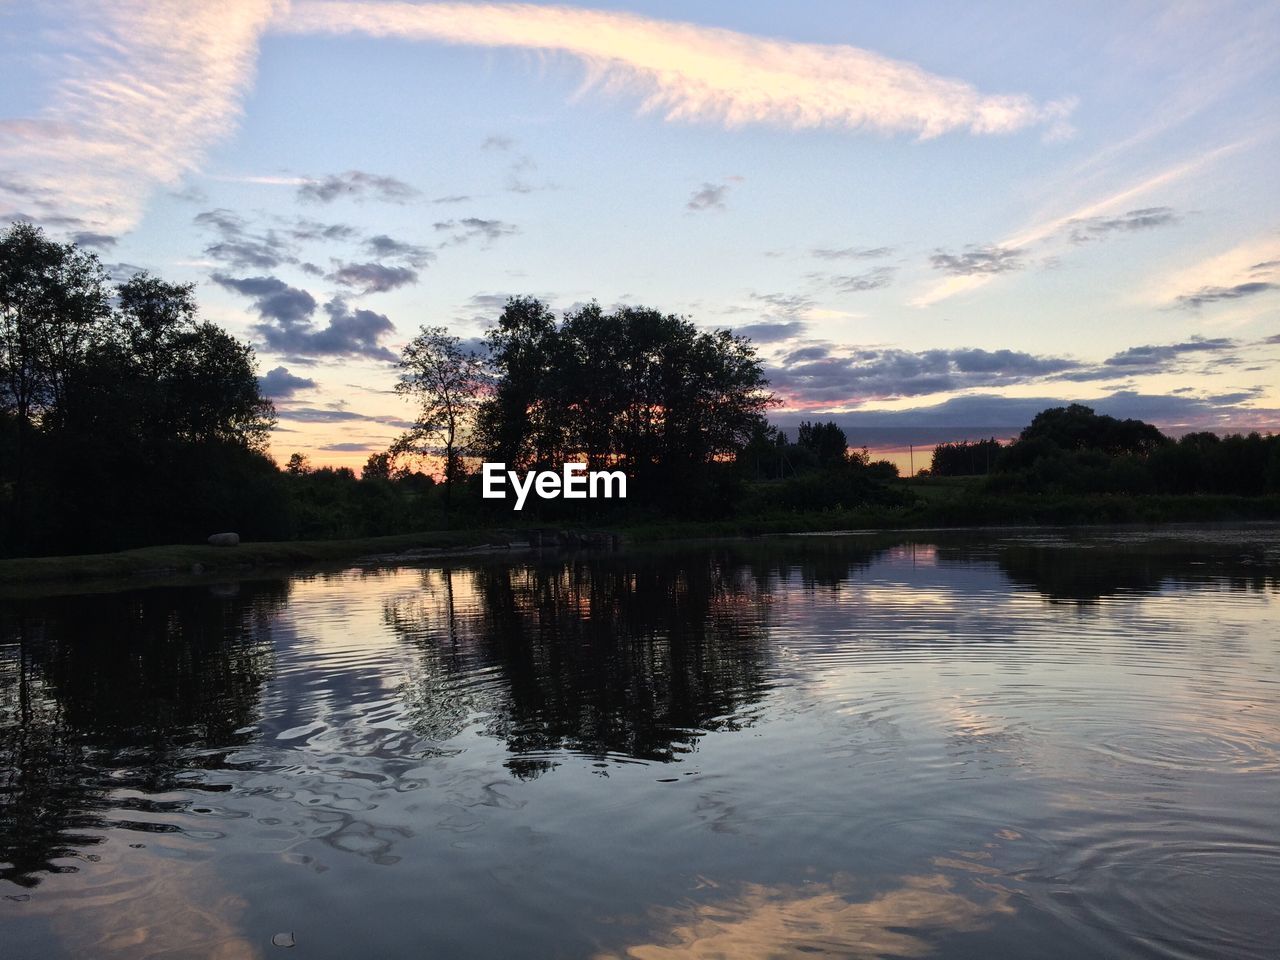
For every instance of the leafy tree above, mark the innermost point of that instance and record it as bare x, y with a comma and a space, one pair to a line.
826, 440
633, 388
444, 381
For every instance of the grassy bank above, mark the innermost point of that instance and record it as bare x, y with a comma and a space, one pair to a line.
939, 502
201, 560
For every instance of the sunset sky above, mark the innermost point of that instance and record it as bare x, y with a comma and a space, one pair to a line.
924, 214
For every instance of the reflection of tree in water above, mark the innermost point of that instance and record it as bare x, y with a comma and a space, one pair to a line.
1086, 572
112, 692
634, 656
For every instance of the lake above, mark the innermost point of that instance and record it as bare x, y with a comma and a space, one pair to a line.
944, 745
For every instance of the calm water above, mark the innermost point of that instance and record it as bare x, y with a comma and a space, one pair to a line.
1022, 746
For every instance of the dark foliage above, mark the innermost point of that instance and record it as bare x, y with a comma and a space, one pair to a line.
121, 425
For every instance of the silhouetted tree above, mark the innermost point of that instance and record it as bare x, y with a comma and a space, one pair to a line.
444, 381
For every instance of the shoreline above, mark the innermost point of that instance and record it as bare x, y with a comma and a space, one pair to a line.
194, 563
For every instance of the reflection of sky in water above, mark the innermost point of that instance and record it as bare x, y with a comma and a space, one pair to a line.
747, 750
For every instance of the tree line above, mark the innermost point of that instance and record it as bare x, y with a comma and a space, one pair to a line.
1075, 450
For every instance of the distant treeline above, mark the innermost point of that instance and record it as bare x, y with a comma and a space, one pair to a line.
1074, 450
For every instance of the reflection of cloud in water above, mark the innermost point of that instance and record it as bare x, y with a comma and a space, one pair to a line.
176, 908
765, 922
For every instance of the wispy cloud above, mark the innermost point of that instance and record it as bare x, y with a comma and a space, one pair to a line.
710, 196
694, 73
977, 261
851, 253
471, 228
147, 87
356, 185
1093, 228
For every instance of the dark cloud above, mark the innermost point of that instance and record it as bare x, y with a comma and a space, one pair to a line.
259, 254
859, 283
356, 185
349, 447
274, 299
372, 277
988, 414
818, 373
311, 269
322, 415
470, 228
387, 248
288, 329
88, 238
1274, 338
709, 196
280, 383
453, 198
771, 332
310, 230
851, 253
238, 248
1215, 294
1093, 228
1157, 356
978, 260
224, 221
497, 142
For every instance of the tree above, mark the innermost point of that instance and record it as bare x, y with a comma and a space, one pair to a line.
444, 381
53, 301
826, 440
298, 464
632, 388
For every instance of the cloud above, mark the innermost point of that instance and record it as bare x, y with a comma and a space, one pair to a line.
771, 332
497, 142
143, 89
280, 383
287, 326
1216, 294
373, 277
356, 185
1157, 356
88, 238
978, 261
313, 230
693, 73
821, 373
985, 414
469, 228
789, 305
349, 447
709, 196
858, 283
239, 248
386, 247
323, 415
274, 299
850, 253
1093, 228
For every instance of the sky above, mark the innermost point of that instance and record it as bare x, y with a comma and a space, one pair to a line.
926, 216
